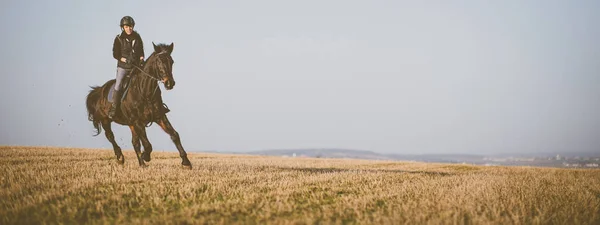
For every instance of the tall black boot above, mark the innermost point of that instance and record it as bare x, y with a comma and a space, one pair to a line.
116, 101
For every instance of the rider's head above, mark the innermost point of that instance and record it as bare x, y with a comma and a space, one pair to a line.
127, 24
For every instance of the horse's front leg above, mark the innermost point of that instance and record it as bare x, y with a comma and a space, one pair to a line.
135, 140
145, 142
168, 128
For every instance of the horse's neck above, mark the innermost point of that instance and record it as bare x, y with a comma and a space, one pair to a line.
144, 85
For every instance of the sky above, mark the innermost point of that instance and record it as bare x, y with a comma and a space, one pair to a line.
404, 77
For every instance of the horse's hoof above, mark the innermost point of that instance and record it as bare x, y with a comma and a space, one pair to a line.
146, 156
143, 166
186, 164
121, 160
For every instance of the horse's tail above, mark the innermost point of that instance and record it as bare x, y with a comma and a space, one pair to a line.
92, 99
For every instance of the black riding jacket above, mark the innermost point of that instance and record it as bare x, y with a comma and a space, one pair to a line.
130, 47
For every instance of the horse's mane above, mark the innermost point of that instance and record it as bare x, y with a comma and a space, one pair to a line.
163, 47
158, 49
145, 80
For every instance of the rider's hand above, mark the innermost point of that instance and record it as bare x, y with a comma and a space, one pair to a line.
123, 60
130, 60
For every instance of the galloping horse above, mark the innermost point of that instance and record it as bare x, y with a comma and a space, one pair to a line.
141, 105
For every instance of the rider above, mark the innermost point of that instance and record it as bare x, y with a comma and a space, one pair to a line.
128, 50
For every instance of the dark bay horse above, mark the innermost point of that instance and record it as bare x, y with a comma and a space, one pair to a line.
142, 105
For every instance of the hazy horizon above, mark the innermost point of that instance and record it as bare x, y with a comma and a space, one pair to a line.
397, 77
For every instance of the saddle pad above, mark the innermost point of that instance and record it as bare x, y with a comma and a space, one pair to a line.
111, 92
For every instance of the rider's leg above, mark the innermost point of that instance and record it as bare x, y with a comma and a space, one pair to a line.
117, 93
120, 75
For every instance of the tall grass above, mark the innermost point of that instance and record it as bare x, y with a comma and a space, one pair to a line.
61, 185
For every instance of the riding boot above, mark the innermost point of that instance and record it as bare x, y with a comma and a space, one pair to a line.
116, 101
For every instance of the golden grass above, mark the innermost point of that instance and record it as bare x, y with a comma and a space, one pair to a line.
62, 185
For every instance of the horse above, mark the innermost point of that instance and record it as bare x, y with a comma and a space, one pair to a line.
141, 106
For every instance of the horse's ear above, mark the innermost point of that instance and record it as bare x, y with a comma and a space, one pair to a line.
171, 48
156, 48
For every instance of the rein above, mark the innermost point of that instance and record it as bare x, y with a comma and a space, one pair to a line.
153, 93
150, 100
146, 74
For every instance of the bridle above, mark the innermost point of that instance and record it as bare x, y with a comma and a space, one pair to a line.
149, 75
157, 85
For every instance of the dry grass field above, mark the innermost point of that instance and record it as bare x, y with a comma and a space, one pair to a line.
62, 185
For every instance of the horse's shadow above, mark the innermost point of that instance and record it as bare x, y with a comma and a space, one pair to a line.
340, 170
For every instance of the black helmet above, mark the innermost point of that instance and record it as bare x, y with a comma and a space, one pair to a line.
127, 20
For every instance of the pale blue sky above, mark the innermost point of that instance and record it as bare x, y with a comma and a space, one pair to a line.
509, 76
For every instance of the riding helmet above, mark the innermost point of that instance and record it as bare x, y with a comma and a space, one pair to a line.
127, 20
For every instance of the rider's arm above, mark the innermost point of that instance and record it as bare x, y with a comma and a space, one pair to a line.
141, 49
117, 49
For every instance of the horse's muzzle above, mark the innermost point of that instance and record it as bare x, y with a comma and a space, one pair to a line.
169, 84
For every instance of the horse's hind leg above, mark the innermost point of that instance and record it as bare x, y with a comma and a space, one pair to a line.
111, 137
135, 140
167, 127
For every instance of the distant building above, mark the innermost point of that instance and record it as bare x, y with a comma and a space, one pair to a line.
558, 157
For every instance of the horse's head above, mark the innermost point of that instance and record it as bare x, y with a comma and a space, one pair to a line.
163, 64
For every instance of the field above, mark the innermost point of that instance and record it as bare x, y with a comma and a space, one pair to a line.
63, 185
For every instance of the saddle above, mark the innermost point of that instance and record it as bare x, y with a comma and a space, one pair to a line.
124, 85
